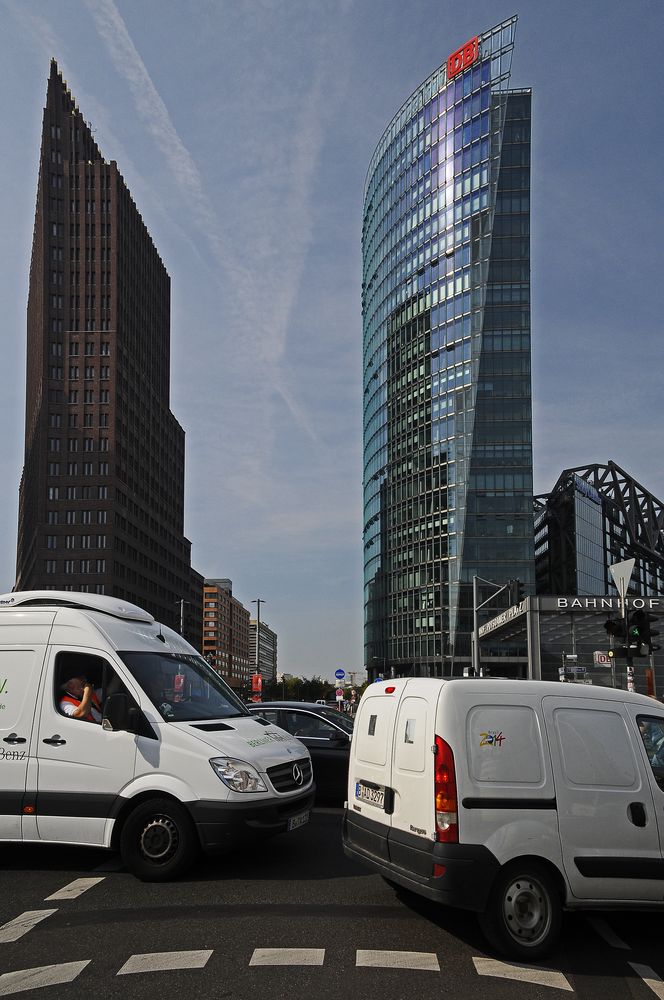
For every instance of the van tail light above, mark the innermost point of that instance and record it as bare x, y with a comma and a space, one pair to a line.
447, 828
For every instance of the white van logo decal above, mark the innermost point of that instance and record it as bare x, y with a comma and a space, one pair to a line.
492, 739
298, 776
269, 737
416, 829
12, 754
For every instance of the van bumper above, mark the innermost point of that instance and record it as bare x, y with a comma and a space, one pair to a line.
409, 860
222, 825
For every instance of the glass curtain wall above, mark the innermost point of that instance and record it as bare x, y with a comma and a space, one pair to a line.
446, 322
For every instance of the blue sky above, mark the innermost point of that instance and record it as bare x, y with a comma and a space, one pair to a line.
244, 129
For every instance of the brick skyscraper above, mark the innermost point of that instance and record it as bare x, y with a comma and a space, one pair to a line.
101, 506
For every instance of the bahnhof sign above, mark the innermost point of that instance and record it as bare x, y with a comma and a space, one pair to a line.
566, 639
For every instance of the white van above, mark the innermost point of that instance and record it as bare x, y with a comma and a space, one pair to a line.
176, 763
514, 799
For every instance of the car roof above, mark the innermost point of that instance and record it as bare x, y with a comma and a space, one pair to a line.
256, 705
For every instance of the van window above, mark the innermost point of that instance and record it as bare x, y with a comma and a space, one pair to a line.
505, 744
651, 729
595, 748
183, 687
409, 750
95, 669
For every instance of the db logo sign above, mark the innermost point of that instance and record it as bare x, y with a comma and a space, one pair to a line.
462, 58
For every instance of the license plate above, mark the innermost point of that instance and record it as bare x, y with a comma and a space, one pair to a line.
296, 821
375, 796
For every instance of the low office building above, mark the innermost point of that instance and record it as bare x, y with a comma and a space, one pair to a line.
226, 633
267, 649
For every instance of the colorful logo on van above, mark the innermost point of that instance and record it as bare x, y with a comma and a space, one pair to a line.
492, 739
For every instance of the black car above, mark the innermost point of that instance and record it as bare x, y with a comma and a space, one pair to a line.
325, 732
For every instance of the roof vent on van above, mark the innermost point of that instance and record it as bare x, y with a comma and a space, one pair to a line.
72, 599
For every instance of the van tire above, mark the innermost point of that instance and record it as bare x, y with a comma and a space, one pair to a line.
158, 841
523, 915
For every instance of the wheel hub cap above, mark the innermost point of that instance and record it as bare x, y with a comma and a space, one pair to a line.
526, 910
159, 839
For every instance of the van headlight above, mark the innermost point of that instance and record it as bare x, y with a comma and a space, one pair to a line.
237, 774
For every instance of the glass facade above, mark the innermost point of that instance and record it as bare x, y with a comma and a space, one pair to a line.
446, 328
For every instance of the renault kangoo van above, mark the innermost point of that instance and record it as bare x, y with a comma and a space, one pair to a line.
515, 799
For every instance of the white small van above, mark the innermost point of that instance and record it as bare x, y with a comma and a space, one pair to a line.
515, 799
172, 762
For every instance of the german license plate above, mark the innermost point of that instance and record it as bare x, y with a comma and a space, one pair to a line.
373, 794
296, 821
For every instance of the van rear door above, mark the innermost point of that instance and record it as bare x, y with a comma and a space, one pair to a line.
370, 790
606, 813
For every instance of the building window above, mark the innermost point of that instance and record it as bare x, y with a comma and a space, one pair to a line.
51, 541
51, 565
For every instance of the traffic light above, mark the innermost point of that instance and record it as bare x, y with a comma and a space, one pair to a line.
515, 592
641, 633
616, 629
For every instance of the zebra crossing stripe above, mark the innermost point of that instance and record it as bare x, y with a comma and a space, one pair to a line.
522, 973
19, 926
288, 956
650, 978
424, 960
45, 975
163, 961
75, 888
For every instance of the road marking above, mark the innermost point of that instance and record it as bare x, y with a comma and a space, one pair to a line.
288, 956
650, 978
75, 888
523, 973
426, 960
605, 931
163, 961
45, 975
19, 926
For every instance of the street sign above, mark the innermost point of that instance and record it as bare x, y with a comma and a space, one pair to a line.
377, 680
340, 694
621, 573
339, 674
601, 659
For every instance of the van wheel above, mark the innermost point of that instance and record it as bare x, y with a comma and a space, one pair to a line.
524, 913
158, 840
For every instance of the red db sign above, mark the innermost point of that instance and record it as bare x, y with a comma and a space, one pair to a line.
462, 58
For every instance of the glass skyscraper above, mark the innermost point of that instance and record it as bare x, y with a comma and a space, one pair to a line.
447, 392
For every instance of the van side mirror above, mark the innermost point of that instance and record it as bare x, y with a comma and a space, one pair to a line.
116, 713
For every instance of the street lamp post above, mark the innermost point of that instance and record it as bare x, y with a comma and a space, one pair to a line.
258, 601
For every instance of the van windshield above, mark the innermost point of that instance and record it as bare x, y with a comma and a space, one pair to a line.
182, 687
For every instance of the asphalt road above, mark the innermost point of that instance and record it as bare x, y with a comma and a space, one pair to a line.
296, 920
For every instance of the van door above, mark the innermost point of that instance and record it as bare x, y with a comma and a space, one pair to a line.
82, 768
413, 765
19, 682
606, 813
370, 777
650, 728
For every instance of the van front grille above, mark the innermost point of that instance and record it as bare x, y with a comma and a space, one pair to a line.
290, 777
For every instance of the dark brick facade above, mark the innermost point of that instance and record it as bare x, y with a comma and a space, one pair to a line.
101, 505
